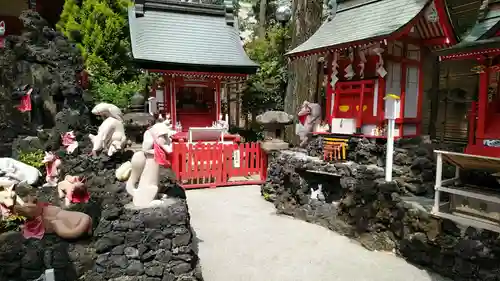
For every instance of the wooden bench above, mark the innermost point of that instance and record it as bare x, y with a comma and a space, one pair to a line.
334, 149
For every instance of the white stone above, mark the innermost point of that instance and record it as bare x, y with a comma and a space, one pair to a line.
50, 275
123, 172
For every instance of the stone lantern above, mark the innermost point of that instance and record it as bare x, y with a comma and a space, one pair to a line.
274, 123
137, 120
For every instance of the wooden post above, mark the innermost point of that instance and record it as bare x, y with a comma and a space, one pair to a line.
439, 178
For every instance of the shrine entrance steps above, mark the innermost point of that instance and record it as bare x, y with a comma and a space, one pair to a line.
240, 238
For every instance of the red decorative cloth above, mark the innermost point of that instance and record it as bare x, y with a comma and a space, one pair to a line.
79, 195
25, 104
160, 154
34, 228
302, 119
68, 139
49, 166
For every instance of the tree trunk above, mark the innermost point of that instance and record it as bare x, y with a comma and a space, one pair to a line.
262, 18
303, 72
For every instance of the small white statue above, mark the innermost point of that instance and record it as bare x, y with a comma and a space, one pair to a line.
69, 142
18, 172
146, 163
222, 123
111, 134
9, 198
318, 193
52, 163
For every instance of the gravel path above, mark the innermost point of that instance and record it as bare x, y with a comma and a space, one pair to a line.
240, 238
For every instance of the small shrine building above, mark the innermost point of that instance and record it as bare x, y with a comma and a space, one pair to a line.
196, 48
374, 48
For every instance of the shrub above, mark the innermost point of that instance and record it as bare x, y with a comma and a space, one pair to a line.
11, 223
33, 159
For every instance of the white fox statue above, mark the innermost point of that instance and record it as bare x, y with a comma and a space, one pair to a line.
111, 134
146, 169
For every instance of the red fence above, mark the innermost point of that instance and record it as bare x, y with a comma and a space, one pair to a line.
211, 165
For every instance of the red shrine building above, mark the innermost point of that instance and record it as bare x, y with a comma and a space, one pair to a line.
196, 49
481, 47
374, 48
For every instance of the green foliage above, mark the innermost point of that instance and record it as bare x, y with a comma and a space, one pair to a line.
251, 135
267, 196
100, 30
265, 90
12, 223
33, 159
120, 93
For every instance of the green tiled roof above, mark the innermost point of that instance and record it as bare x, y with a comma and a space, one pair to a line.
480, 30
187, 36
366, 20
479, 37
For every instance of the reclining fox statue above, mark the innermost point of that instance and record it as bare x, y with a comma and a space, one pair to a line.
145, 165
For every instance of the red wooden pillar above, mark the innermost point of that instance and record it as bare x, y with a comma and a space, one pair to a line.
420, 94
166, 95
335, 95
217, 97
404, 70
359, 121
482, 103
173, 98
329, 91
380, 99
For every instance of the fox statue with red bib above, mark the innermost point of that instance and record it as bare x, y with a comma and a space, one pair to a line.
145, 165
310, 117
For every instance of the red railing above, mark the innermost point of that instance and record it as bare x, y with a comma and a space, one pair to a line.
210, 165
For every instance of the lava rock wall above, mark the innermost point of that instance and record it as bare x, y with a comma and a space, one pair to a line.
413, 166
46, 60
360, 204
155, 244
